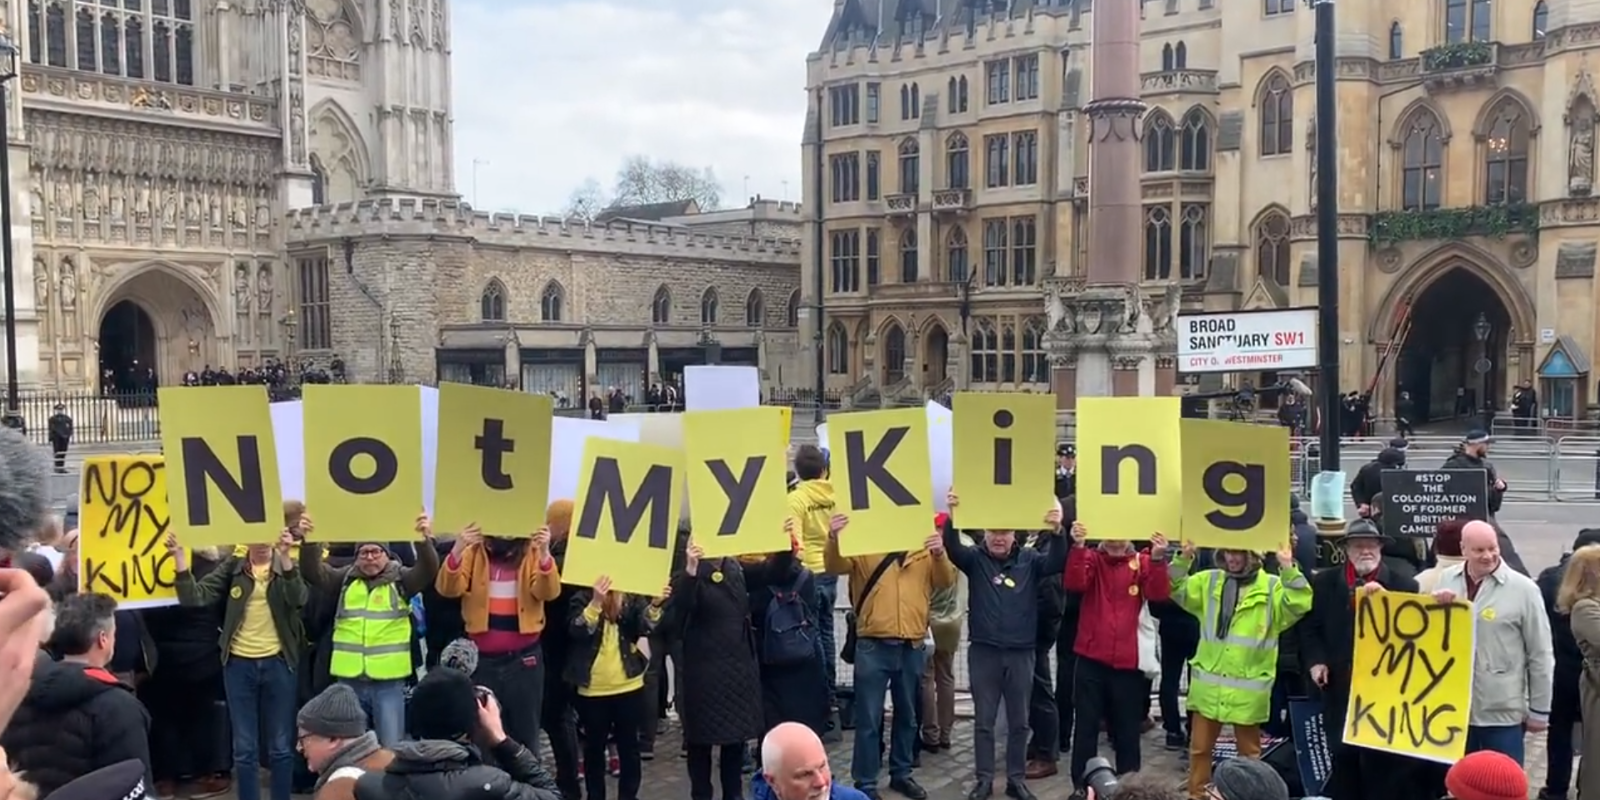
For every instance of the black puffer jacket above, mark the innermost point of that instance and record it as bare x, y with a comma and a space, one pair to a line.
74, 720
1368, 482
1461, 459
443, 770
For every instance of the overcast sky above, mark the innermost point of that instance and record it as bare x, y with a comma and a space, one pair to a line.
551, 92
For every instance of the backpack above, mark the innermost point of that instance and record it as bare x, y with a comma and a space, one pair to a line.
787, 637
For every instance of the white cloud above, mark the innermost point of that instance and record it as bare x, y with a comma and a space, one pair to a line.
551, 92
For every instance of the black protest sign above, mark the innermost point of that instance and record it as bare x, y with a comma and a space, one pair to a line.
1415, 502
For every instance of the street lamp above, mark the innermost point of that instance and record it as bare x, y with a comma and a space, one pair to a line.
1481, 329
1327, 234
12, 418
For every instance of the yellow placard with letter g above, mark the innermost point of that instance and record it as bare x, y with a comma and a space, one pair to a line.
1235, 484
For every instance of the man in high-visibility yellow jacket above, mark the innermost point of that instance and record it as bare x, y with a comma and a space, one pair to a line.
372, 623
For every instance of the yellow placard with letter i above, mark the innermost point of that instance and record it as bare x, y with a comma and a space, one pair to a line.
1004, 465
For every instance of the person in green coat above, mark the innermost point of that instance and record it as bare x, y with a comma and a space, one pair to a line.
1242, 610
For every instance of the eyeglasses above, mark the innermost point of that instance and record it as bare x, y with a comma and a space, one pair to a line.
370, 552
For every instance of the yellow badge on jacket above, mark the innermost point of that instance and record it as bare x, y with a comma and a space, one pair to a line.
1488, 615
236, 593
1133, 591
1133, 563
716, 577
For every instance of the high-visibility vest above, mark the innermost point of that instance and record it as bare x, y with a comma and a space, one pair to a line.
371, 634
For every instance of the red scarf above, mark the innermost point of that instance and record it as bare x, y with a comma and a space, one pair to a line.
1355, 581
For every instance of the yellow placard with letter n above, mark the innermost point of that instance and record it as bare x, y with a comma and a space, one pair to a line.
222, 464
737, 496
1004, 459
1130, 469
1411, 679
122, 531
882, 478
625, 518
1236, 484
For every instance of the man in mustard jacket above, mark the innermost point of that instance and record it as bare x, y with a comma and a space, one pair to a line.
1242, 610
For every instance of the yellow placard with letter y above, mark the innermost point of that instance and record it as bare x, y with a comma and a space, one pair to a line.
1411, 678
737, 497
882, 478
1130, 472
1235, 484
1004, 464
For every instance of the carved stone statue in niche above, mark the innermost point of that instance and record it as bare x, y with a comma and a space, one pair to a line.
118, 202
41, 284
241, 288
36, 194
263, 215
264, 291
69, 297
240, 215
1580, 149
141, 200
214, 204
63, 197
91, 197
191, 207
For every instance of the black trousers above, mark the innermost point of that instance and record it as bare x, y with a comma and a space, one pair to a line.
1121, 699
730, 771
1176, 650
517, 680
558, 718
655, 694
189, 732
1045, 745
615, 718
1066, 682
1566, 711
58, 448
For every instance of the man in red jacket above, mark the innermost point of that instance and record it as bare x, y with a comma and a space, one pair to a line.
1115, 581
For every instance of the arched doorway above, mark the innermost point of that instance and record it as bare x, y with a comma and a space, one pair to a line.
894, 355
936, 355
127, 348
1455, 354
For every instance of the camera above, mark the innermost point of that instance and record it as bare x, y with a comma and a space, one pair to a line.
1100, 777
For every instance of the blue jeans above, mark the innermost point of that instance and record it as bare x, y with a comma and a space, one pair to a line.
261, 698
827, 596
893, 667
1505, 739
385, 704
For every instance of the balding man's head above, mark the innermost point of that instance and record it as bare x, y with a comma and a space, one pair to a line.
1480, 546
795, 764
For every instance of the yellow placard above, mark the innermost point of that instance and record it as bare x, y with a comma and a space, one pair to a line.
494, 460
882, 479
625, 518
738, 499
1235, 484
123, 523
1411, 680
787, 413
364, 461
222, 464
1004, 464
1129, 466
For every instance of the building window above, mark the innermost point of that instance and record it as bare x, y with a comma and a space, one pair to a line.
1541, 20
874, 185
1035, 362
956, 94
793, 318
1272, 248
755, 310
908, 256
1024, 251
1008, 354
1174, 58
1397, 41
550, 302
874, 99
1467, 20
1277, 117
1194, 152
661, 306
844, 105
1276, 7
999, 87
315, 329
845, 260
1194, 242
844, 170
1025, 158
910, 101
985, 353
894, 355
708, 307
910, 166
319, 181
1027, 76
1422, 151
492, 305
1160, 145
838, 350
1506, 154
956, 255
1157, 243
957, 161
994, 252
874, 270
996, 160
113, 41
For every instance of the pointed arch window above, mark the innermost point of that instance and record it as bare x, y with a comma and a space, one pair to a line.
985, 353
1194, 241
958, 256
956, 94
1194, 150
1174, 57
1157, 243
1035, 363
1422, 154
910, 166
1541, 20
661, 306
708, 307
1272, 248
319, 181
551, 301
1467, 21
792, 319
894, 355
1160, 143
957, 161
1397, 41
110, 44
1008, 354
838, 350
1277, 116
755, 310
492, 305
1506, 154
908, 256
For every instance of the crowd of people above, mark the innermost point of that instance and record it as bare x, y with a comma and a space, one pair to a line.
303, 660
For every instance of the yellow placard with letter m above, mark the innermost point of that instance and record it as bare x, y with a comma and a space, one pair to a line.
1235, 484
1411, 680
625, 518
882, 478
1130, 472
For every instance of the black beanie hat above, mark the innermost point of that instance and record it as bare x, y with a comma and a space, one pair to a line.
444, 705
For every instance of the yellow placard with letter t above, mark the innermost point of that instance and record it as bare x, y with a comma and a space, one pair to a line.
494, 459
1004, 465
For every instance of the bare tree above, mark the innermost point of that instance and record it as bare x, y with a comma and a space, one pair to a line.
586, 202
641, 181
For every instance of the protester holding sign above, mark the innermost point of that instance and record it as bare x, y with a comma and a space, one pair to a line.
1242, 611
811, 506
1327, 644
783, 617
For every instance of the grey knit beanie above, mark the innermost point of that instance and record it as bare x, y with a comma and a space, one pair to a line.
335, 714
1248, 779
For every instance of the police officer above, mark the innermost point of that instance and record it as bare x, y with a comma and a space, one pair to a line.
1066, 470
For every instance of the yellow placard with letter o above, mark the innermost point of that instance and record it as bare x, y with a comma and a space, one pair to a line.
1411, 677
882, 478
222, 464
364, 461
494, 460
1235, 484
1004, 459
737, 496
1130, 468
625, 517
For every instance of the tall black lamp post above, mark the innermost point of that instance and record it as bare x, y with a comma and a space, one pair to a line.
12, 417
1481, 328
1327, 235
